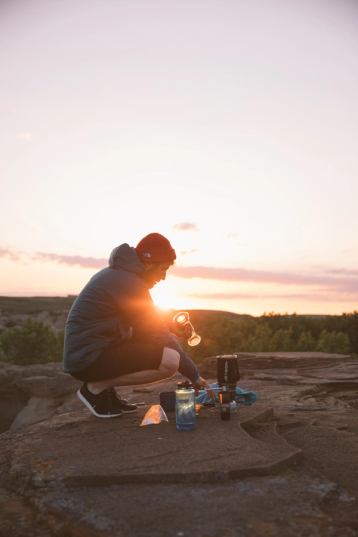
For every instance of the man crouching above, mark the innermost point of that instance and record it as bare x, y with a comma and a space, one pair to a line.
114, 335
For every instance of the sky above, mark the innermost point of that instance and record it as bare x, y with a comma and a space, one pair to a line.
229, 126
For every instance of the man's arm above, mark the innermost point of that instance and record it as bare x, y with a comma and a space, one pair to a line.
186, 365
148, 325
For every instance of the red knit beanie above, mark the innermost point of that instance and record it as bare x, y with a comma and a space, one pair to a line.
156, 249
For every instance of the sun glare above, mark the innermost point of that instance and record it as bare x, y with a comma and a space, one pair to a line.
166, 299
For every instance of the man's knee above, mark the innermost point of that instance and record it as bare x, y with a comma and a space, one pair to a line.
170, 362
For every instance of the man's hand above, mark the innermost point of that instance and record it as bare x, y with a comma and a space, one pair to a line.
184, 332
202, 384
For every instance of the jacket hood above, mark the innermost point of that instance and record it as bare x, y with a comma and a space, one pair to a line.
126, 258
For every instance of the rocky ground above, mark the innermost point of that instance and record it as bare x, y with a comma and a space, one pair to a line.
287, 466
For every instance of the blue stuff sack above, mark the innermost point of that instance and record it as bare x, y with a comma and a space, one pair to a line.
242, 397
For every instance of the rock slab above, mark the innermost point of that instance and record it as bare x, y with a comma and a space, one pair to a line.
285, 467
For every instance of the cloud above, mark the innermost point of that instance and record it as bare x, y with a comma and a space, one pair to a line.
25, 135
11, 254
233, 235
327, 296
327, 285
70, 260
342, 271
185, 226
323, 282
85, 262
188, 252
319, 287
256, 276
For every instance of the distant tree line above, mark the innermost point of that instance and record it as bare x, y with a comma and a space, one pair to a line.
221, 332
273, 332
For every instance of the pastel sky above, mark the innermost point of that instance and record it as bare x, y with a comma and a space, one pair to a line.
229, 126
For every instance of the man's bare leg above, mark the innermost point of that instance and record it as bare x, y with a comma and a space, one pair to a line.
168, 367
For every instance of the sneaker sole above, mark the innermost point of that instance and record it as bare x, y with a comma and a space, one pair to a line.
85, 402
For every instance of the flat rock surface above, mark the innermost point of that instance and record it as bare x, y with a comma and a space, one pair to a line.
82, 450
285, 466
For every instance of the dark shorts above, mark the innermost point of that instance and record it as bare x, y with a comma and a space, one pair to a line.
121, 359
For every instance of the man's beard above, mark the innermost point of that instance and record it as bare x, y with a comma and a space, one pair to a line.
151, 278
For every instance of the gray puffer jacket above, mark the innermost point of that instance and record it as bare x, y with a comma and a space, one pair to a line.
116, 305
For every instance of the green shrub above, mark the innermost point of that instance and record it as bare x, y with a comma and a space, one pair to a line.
33, 342
282, 341
333, 342
306, 342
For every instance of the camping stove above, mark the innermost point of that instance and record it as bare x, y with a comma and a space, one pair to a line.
227, 375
